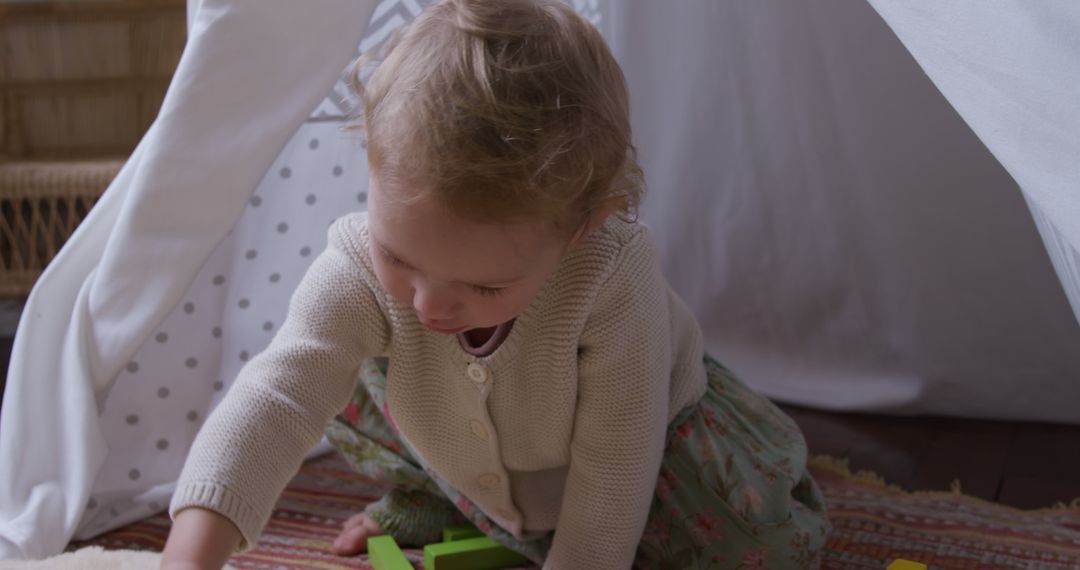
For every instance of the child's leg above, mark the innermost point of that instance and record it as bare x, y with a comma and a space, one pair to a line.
733, 488
415, 511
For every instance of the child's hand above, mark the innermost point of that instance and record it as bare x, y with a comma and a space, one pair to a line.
200, 539
354, 535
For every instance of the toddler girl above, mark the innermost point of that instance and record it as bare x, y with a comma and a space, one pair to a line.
500, 338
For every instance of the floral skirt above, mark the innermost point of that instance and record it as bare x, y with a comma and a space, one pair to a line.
733, 490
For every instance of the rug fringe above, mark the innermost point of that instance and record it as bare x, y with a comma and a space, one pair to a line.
839, 466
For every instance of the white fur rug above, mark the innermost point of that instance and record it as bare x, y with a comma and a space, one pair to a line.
93, 558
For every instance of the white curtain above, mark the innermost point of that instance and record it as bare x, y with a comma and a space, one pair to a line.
845, 239
121, 350
1012, 70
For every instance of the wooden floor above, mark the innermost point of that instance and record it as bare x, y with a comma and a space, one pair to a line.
1025, 465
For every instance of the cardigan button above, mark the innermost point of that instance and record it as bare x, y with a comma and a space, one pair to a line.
477, 373
478, 429
488, 480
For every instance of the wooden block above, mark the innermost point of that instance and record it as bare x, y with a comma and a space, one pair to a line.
901, 564
384, 554
479, 553
460, 532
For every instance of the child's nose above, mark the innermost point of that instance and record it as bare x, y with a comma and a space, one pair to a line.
433, 302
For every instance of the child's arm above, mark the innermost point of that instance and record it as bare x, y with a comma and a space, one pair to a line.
200, 539
624, 371
276, 410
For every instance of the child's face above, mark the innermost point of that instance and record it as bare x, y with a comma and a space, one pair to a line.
457, 274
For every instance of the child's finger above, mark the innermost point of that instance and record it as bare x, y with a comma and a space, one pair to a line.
351, 541
355, 520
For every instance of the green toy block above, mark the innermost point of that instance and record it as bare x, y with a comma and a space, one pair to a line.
384, 554
479, 553
460, 532
901, 564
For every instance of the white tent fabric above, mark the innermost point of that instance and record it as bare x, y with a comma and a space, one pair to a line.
1012, 71
844, 238
248, 78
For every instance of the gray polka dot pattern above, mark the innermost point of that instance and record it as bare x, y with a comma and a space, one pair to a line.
149, 425
243, 303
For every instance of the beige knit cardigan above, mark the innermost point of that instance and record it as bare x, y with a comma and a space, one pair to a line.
561, 428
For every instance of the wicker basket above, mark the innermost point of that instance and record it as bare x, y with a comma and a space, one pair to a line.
40, 206
80, 82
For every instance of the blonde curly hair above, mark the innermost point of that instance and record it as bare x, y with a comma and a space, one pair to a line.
504, 111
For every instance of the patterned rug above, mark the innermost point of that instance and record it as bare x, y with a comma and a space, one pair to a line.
874, 523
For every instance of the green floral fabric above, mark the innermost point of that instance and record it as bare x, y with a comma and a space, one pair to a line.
733, 489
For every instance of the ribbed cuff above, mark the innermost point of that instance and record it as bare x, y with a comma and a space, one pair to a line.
212, 496
413, 518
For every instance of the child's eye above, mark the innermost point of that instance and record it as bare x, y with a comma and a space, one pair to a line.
488, 291
389, 257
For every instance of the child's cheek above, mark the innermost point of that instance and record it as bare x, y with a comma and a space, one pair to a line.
394, 283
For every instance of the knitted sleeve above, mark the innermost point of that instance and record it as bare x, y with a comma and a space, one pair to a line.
624, 365
275, 412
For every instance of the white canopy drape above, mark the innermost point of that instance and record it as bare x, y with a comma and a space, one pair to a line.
845, 239
249, 76
1012, 71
